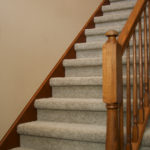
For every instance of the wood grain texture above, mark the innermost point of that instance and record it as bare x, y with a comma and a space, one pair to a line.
113, 91
112, 69
135, 101
141, 106
131, 23
149, 41
112, 136
146, 82
121, 125
29, 113
128, 122
139, 122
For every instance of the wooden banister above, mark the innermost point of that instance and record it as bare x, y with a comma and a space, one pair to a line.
137, 80
129, 27
11, 138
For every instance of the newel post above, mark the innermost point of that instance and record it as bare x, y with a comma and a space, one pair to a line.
112, 88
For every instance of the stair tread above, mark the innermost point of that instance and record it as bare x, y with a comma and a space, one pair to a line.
86, 62
70, 104
68, 131
96, 45
102, 30
80, 81
89, 45
75, 81
119, 6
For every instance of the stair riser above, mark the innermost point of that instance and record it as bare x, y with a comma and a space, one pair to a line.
114, 11
118, 11
41, 143
89, 71
91, 53
77, 91
85, 117
83, 71
76, 116
86, 91
95, 38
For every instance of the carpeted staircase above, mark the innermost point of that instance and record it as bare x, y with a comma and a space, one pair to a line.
75, 117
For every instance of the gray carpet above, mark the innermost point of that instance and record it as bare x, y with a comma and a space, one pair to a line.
75, 117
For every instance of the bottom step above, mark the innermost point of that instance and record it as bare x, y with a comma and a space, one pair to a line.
43, 143
40, 135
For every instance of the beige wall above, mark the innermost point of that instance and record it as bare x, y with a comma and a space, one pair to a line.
33, 36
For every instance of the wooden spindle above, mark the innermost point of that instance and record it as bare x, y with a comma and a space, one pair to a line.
121, 120
112, 88
149, 41
135, 122
146, 96
128, 147
141, 106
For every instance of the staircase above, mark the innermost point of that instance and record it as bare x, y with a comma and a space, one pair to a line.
75, 117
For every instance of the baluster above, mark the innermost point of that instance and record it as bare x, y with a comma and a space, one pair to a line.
146, 96
121, 131
135, 126
141, 106
149, 42
128, 147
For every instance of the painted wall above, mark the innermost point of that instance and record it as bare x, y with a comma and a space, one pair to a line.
33, 36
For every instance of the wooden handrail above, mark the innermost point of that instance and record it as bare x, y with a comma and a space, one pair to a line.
130, 25
29, 113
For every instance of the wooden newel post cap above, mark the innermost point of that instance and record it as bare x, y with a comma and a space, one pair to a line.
111, 33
